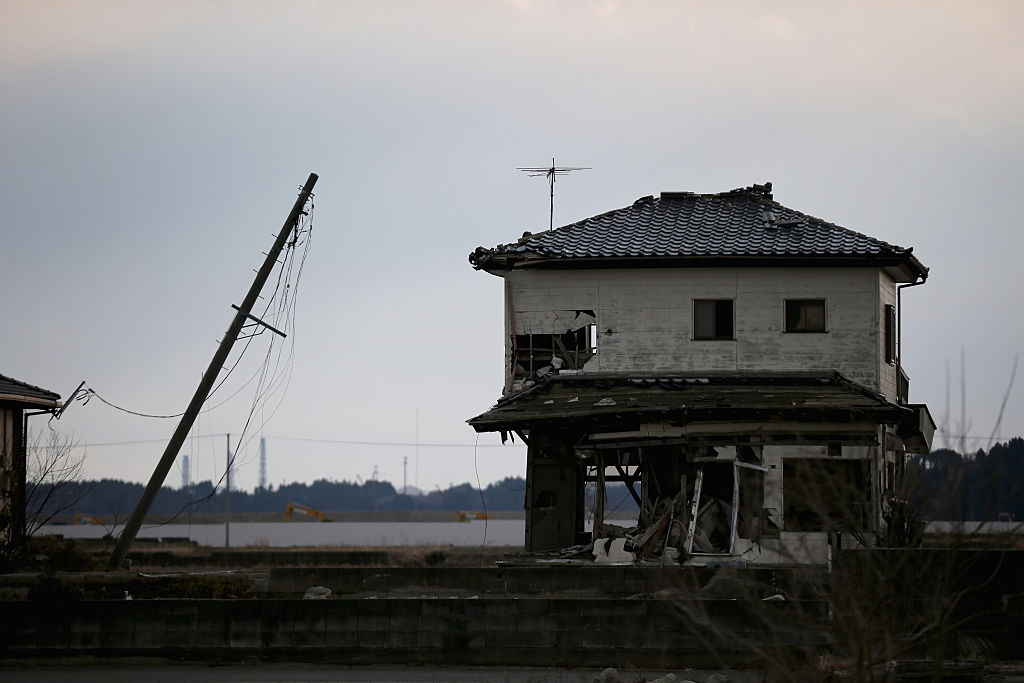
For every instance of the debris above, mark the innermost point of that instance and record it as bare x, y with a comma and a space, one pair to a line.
667, 678
647, 541
576, 551
574, 399
615, 531
724, 585
609, 675
317, 593
612, 551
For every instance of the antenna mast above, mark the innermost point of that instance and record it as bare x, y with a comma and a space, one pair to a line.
551, 172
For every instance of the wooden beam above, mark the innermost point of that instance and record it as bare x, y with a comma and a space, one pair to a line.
629, 483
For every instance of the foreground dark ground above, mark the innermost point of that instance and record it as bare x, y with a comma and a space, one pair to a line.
925, 614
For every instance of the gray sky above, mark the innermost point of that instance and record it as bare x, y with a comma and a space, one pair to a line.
151, 148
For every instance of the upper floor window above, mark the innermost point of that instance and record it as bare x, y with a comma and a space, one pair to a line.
712, 319
805, 315
533, 353
890, 334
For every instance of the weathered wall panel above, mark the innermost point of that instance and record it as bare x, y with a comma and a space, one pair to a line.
12, 494
886, 371
645, 317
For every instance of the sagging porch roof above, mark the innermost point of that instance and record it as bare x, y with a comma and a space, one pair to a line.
604, 398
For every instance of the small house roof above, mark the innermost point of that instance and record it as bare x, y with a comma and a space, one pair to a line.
16, 391
742, 226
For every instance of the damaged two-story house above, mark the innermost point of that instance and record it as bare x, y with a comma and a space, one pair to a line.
735, 363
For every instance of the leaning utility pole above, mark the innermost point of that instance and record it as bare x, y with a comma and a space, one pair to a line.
243, 312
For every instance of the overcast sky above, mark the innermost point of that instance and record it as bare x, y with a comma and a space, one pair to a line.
150, 149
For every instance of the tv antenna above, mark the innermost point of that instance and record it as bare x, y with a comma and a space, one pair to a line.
552, 172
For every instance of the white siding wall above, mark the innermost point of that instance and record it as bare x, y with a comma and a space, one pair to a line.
644, 317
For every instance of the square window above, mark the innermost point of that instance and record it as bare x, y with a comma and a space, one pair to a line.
805, 315
712, 319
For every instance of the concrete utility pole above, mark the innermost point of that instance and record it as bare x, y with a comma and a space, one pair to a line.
243, 312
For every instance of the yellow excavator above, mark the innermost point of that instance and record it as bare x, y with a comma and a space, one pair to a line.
466, 516
304, 509
85, 518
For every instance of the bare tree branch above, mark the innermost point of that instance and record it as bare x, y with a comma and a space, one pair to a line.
53, 473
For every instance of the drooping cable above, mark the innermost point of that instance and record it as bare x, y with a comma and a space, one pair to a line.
483, 502
268, 380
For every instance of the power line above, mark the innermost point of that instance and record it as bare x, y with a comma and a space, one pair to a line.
350, 442
342, 442
386, 443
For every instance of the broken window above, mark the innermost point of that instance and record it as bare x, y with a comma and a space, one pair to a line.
753, 517
727, 502
695, 500
713, 522
612, 491
712, 319
805, 315
535, 354
821, 493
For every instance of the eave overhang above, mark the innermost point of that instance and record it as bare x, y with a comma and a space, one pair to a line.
32, 401
13, 391
604, 400
902, 268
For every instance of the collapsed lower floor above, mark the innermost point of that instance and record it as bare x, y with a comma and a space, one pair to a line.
765, 469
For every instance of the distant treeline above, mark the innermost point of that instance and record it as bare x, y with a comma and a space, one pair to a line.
984, 486
941, 485
115, 497
112, 497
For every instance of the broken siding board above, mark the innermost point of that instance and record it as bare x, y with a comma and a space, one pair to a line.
550, 321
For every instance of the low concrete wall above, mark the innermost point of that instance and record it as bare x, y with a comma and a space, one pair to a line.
258, 558
601, 581
496, 631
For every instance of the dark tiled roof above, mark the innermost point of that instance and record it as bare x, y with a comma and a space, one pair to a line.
22, 392
621, 398
742, 223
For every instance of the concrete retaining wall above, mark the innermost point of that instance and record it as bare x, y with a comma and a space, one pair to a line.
605, 581
259, 558
497, 631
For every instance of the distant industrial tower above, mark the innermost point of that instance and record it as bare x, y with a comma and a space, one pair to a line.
185, 472
263, 463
